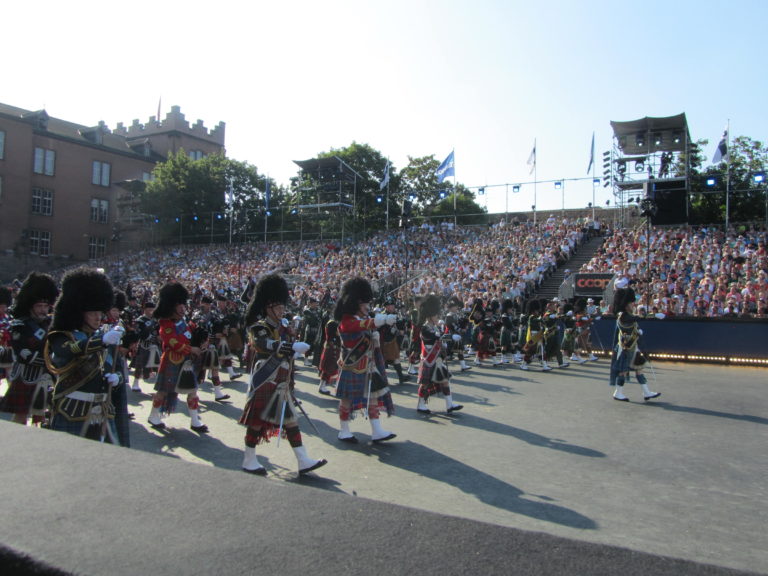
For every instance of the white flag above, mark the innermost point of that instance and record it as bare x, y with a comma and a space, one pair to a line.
385, 180
532, 158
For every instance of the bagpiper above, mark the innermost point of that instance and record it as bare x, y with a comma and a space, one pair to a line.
147, 357
434, 376
271, 406
82, 354
30, 381
391, 336
456, 325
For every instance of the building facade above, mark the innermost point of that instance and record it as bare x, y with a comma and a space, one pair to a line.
67, 191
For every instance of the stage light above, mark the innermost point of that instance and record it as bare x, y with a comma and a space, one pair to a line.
294, 211
378, 199
595, 182
157, 220
759, 178
558, 185
481, 191
640, 140
711, 181
515, 188
442, 194
639, 166
194, 217
269, 213
177, 218
676, 137
412, 197
658, 139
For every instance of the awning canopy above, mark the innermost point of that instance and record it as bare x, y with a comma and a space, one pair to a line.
648, 135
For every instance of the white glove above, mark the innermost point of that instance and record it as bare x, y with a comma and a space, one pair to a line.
379, 320
569, 313
598, 317
552, 316
391, 319
113, 379
112, 337
456, 338
297, 318
25, 354
300, 347
284, 322
640, 331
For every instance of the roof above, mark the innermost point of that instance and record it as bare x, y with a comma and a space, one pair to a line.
649, 134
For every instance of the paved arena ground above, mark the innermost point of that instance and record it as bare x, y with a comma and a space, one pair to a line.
682, 476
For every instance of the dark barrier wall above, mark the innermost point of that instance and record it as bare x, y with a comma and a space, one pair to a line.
732, 338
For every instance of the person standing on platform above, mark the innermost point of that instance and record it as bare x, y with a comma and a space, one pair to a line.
176, 374
30, 382
362, 381
270, 408
434, 376
82, 353
626, 355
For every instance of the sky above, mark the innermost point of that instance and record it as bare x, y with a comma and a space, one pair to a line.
410, 78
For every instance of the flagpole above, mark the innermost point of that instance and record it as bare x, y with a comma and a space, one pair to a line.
535, 178
593, 176
455, 223
386, 175
727, 176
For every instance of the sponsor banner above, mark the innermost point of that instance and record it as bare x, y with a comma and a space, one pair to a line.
591, 284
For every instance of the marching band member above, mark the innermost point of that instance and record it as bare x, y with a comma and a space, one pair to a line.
6, 350
269, 410
391, 336
147, 357
82, 354
434, 376
176, 374
329, 359
583, 331
29, 380
627, 356
362, 381
454, 326
534, 340
206, 333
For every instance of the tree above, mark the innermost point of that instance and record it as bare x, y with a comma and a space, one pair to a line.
746, 198
195, 199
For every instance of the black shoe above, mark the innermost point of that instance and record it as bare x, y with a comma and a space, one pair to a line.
160, 426
350, 440
317, 465
405, 378
234, 376
258, 472
325, 392
455, 408
391, 435
652, 396
202, 429
621, 399
423, 410
222, 398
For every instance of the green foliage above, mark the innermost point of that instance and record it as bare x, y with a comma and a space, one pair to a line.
746, 199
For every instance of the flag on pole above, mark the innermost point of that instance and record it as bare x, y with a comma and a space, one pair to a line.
385, 180
159, 105
591, 154
266, 194
532, 158
446, 168
722, 149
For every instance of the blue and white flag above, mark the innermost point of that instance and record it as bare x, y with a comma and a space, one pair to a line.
446, 168
385, 180
721, 154
532, 158
267, 194
591, 154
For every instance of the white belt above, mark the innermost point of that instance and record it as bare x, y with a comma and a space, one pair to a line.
88, 397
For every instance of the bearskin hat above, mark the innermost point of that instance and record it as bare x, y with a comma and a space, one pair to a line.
36, 288
429, 307
120, 300
622, 298
454, 302
271, 289
390, 301
533, 306
580, 305
171, 295
353, 292
82, 290
477, 307
5, 296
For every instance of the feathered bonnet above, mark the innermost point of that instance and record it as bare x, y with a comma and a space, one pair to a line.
622, 298
353, 292
429, 307
82, 290
271, 289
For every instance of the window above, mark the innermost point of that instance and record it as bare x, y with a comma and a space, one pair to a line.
196, 154
101, 173
42, 201
2, 145
97, 247
45, 161
99, 211
39, 242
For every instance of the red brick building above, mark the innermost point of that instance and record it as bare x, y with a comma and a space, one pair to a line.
65, 189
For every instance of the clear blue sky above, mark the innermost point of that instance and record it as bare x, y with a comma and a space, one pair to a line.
410, 78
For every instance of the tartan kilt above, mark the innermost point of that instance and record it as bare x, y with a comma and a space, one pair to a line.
329, 363
210, 359
168, 378
353, 387
235, 341
263, 407
390, 350
19, 399
486, 344
93, 431
507, 339
223, 350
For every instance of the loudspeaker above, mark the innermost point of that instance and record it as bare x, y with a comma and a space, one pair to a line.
671, 200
